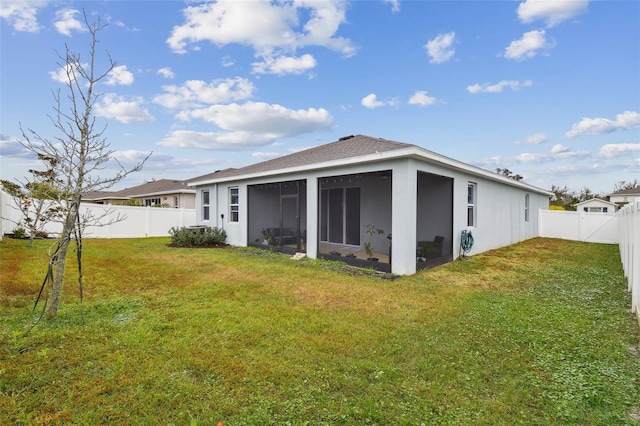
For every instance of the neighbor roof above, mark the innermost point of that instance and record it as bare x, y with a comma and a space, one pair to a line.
632, 191
155, 187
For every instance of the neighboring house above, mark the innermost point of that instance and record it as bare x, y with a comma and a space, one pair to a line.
596, 205
163, 192
624, 196
322, 201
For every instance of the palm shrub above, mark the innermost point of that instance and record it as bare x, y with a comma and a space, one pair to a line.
200, 236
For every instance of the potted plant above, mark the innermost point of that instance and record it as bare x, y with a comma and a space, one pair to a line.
368, 247
267, 238
422, 252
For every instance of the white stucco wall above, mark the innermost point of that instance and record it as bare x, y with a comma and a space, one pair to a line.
500, 208
500, 214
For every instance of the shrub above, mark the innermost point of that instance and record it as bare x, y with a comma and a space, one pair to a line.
197, 236
19, 232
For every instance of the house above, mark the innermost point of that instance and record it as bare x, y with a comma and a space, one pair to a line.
323, 201
596, 205
162, 192
624, 196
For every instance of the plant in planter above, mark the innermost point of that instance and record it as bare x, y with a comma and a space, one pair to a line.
368, 247
422, 252
267, 238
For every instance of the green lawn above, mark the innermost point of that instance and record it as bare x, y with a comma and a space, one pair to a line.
535, 333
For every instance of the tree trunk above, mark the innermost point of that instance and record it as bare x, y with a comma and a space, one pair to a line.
57, 286
58, 279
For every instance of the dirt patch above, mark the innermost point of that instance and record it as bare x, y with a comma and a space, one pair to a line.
360, 272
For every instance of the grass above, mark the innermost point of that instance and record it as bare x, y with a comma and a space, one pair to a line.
536, 333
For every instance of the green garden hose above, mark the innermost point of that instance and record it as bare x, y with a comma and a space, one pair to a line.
466, 242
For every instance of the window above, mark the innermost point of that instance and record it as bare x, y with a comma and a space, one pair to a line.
471, 204
526, 207
605, 209
150, 202
234, 204
205, 205
176, 201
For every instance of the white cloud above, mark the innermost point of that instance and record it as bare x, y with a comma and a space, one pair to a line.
421, 98
371, 101
285, 65
552, 12
618, 150
115, 107
597, 126
557, 153
498, 87
166, 72
66, 22
439, 49
21, 14
263, 25
66, 74
196, 93
528, 46
11, 147
227, 61
535, 139
265, 155
130, 156
214, 141
395, 5
559, 148
119, 76
259, 118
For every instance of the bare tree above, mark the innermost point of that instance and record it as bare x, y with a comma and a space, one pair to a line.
76, 155
624, 185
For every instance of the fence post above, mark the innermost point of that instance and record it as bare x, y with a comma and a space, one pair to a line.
147, 222
634, 270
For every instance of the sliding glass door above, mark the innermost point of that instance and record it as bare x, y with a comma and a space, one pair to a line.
340, 216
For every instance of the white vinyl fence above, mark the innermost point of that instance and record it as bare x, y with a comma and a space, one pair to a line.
579, 226
629, 223
137, 221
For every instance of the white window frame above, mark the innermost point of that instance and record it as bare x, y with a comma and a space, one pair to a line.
472, 204
150, 202
234, 207
206, 205
526, 207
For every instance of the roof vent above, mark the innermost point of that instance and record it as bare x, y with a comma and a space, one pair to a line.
344, 138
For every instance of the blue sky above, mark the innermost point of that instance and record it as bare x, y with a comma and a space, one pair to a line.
547, 89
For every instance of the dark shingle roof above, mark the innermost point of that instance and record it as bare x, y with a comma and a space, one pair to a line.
155, 187
161, 186
347, 147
